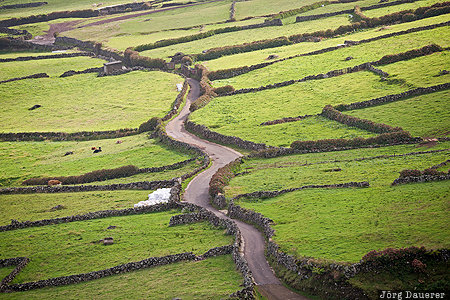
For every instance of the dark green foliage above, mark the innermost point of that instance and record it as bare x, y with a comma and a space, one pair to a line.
426, 50
98, 175
187, 60
297, 11
150, 125
331, 144
134, 59
222, 177
223, 90
247, 47
418, 173
331, 113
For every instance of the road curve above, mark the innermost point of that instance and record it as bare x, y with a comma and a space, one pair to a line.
197, 192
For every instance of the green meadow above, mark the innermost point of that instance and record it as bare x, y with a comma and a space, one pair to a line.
270, 175
300, 67
424, 116
344, 224
73, 248
226, 116
53, 67
23, 160
86, 102
33, 207
255, 57
186, 280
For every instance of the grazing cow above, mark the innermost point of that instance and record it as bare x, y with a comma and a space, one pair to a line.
93, 148
68, 153
34, 107
54, 182
119, 142
98, 150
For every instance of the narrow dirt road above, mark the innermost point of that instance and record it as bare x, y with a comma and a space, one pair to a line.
197, 192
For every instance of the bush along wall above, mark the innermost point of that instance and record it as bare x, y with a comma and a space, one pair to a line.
331, 113
430, 174
220, 179
297, 11
133, 59
390, 138
34, 76
142, 185
63, 136
205, 133
106, 174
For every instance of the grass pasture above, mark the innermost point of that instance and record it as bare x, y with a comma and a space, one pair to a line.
33, 207
85, 102
275, 174
225, 114
300, 67
186, 280
424, 116
344, 224
72, 248
247, 36
23, 160
414, 40
53, 67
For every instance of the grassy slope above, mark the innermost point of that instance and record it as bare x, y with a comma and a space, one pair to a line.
429, 66
53, 5
379, 173
424, 116
85, 102
38, 206
132, 32
344, 224
225, 114
185, 280
72, 248
53, 67
311, 65
263, 7
21, 160
286, 51
247, 36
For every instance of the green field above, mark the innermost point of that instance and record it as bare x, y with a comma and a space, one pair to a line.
186, 280
226, 116
429, 66
85, 102
23, 160
53, 67
73, 248
300, 67
247, 36
423, 116
343, 225
255, 57
33, 207
275, 174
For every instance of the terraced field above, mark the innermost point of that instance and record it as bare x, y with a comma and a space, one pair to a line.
336, 185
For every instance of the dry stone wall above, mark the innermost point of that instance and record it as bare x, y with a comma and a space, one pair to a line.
143, 185
34, 76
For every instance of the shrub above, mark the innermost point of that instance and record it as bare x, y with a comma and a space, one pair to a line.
408, 17
98, 175
149, 125
222, 177
187, 60
223, 90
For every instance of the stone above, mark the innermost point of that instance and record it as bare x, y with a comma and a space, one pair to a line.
111, 227
108, 241
68, 153
35, 106
349, 58
57, 207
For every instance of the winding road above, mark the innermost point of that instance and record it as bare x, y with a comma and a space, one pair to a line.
197, 192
